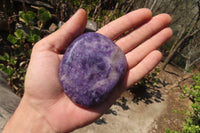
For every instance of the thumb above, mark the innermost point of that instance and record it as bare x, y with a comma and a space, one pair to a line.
59, 40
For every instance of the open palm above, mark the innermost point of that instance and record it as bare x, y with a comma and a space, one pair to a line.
42, 87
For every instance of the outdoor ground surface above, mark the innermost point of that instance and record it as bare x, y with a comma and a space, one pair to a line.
142, 110
146, 110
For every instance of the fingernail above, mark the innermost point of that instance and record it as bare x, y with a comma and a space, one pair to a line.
77, 11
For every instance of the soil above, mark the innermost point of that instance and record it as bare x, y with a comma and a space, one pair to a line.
142, 110
147, 110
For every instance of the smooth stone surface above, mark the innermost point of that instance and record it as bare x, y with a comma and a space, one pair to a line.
90, 69
91, 26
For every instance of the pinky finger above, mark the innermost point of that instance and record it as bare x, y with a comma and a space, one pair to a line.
144, 67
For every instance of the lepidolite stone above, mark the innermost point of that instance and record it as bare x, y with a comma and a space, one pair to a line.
90, 69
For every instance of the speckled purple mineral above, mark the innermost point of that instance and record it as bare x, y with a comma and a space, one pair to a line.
90, 69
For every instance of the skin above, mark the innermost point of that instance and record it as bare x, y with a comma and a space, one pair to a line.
44, 106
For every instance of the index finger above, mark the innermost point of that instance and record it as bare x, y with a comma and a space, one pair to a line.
133, 19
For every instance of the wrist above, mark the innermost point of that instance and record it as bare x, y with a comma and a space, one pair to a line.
27, 120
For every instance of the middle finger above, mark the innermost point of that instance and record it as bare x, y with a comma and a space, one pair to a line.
142, 33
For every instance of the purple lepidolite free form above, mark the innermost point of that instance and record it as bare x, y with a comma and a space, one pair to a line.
91, 68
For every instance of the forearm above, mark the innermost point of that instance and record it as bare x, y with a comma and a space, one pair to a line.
27, 120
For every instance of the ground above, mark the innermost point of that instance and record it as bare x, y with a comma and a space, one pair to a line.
147, 110
138, 110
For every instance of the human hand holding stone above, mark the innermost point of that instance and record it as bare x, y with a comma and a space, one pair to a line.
46, 108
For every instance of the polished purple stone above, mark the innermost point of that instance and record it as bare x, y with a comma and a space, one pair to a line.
90, 69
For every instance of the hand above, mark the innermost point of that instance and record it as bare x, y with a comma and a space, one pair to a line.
43, 92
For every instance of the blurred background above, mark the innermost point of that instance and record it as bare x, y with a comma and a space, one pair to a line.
24, 22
